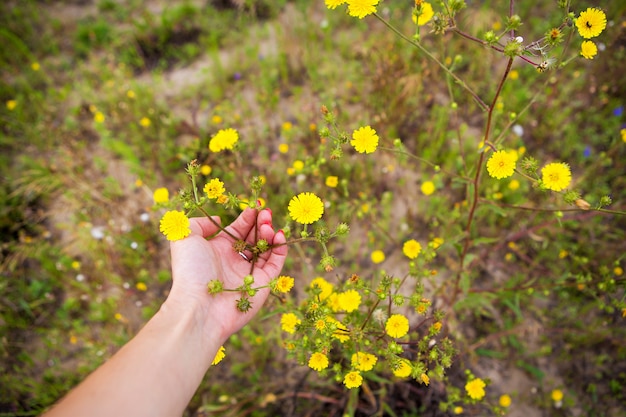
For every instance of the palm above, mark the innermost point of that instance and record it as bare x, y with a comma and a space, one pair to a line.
196, 261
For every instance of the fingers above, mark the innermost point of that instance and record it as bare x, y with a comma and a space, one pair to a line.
277, 255
203, 226
243, 224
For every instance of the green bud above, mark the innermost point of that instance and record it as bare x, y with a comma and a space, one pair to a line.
513, 48
215, 286
397, 143
342, 229
570, 197
398, 300
252, 292
605, 200
248, 280
513, 22
262, 245
243, 305
491, 37
529, 165
324, 132
328, 262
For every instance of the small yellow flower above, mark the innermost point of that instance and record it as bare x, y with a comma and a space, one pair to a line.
556, 395
397, 326
130, 94
283, 148
623, 134
318, 361
428, 187
98, 117
325, 287
425, 13
364, 140
75, 265
556, 176
175, 225
284, 283
514, 74
11, 104
436, 242
288, 322
214, 188
378, 256
505, 400
332, 181
591, 22
141, 286
35, 66
514, 185
73, 339
138, 182
404, 369
206, 170
353, 380
332, 4
287, 126
475, 389
216, 120
221, 354
588, 49
618, 271
349, 300
306, 208
298, 165
411, 248
458, 410
145, 122
363, 361
425, 379
223, 139
501, 164
563, 254
161, 195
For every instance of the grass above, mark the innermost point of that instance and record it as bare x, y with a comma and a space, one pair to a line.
532, 288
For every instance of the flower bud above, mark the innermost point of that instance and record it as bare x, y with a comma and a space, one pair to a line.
248, 280
582, 204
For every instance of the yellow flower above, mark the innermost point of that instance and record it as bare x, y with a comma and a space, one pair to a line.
175, 225
223, 139
325, 287
35, 66
404, 369
501, 164
514, 74
216, 119
221, 353
591, 22
130, 94
557, 395
475, 388
141, 286
287, 126
436, 242
214, 188
361, 8
145, 122
458, 410
364, 140
363, 361
353, 380
588, 49
205, 170
161, 195
298, 165
332, 4
428, 187
411, 248
332, 181
349, 300
514, 185
75, 265
425, 14
623, 133
283, 148
306, 208
321, 324
397, 326
318, 361
378, 256
618, 271
98, 117
11, 104
556, 176
505, 400
288, 322
425, 379
284, 283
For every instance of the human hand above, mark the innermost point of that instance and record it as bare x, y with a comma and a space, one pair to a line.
196, 261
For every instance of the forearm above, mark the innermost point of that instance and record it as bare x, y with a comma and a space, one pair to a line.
155, 374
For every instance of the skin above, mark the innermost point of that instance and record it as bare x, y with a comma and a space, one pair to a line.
159, 370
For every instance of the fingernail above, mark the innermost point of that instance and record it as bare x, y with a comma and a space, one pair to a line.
269, 209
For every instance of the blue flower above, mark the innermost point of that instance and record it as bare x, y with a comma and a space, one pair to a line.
618, 111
